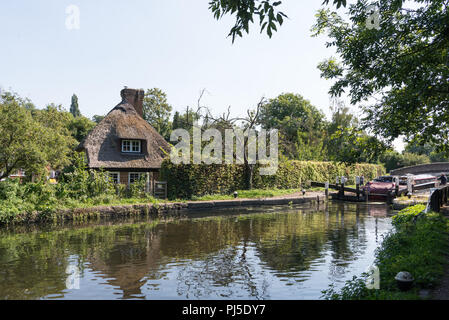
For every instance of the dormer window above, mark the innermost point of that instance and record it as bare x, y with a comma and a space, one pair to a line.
131, 146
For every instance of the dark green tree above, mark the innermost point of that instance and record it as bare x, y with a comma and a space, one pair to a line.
74, 108
157, 110
301, 126
80, 126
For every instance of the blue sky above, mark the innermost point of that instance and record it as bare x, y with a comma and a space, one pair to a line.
175, 45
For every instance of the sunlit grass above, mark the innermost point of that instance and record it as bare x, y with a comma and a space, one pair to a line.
250, 194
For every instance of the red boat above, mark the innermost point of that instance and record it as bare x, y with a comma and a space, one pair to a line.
381, 187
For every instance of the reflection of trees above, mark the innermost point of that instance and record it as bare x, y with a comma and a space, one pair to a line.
33, 265
346, 242
220, 255
225, 274
296, 240
32, 269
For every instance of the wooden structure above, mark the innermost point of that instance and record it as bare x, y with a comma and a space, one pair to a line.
360, 194
160, 189
439, 198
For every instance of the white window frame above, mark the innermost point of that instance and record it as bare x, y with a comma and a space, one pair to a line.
129, 176
133, 146
118, 177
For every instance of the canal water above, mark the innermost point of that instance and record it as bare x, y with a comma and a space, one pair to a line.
265, 253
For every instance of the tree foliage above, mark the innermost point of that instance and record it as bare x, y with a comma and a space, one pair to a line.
347, 142
393, 160
80, 126
426, 149
97, 118
157, 110
301, 126
404, 65
269, 17
74, 108
32, 139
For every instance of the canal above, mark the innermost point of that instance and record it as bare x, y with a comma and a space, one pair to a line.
263, 253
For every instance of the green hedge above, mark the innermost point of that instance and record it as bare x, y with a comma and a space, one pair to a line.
186, 181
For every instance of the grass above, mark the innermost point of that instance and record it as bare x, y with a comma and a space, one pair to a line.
418, 245
421, 198
249, 194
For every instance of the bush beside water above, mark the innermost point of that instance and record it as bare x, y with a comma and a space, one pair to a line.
77, 188
418, 244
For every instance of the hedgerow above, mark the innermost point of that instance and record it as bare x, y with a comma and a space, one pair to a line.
186, 181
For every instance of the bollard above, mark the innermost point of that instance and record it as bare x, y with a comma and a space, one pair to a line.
396, 186
409, 186
341, 194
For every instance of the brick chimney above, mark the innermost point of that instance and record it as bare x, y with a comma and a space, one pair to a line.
135, 98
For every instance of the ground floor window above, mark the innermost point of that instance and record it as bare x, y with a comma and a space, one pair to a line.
114, 177
134, 177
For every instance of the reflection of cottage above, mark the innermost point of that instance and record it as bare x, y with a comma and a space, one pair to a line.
124, 144
129, 264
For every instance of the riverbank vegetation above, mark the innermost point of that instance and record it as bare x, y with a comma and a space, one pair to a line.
418, 244
77, 188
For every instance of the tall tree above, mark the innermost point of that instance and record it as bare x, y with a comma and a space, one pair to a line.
157, 110
74, 108
301, 126
403, 65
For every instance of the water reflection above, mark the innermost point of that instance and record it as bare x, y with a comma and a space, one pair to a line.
285, 254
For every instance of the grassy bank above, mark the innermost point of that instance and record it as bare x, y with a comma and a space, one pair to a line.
249, 194
418, 244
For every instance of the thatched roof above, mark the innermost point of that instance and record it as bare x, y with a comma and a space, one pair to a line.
103, 144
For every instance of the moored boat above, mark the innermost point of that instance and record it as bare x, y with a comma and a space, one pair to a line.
381, 187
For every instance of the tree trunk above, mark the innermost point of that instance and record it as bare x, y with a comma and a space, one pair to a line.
249, 173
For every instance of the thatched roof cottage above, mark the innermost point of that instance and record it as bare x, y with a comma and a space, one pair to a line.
124, 144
